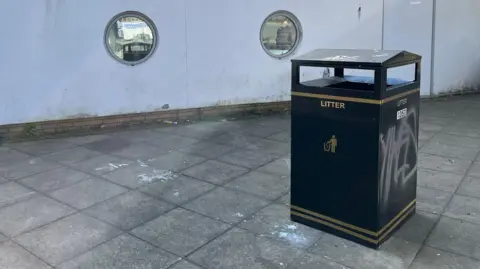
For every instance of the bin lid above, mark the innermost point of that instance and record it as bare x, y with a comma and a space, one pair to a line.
371, 57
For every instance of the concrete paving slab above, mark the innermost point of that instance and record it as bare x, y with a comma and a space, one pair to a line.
43, 147
87, 193
456, 140
264, 185
456, 236
124, 251
143, 135
475, 170
175, 161
470, 187
466, 129
10, 156
274, 222
102, 164
108, 145
464, 208
207, 149
185, 265
67, 238
72, 155
280, 167
282, 122
129, 210
242, 250
173, 142
282, 136
180, 231
248, 158
85, 139
285, 199
436, 148
431, 200
139, 151
438, 180
26, 168
430, 258
417, 228
215, 172
11, 193
3, 238
394, 254
311, 261
236, 140
177, 189
13, 256
185, 209
269, 146
258, 131
137, 174
30, 214
197, 131
227, 205
444, 164
54, 179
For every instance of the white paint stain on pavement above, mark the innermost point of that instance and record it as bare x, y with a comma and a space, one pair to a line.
162, 175
290, 233
141, 163
292, 227
111, 167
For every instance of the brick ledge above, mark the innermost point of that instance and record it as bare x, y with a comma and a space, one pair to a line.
43, 129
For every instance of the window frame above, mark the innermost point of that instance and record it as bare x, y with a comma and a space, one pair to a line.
137, 15
298, 28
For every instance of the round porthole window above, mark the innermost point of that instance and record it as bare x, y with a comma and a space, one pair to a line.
130, 37
280, 34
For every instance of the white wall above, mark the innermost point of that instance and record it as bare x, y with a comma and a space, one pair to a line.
209, 53
408, 26
61, 68
55, 66
230, 66
457, 45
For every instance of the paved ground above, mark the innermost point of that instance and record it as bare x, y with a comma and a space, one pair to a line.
215, 195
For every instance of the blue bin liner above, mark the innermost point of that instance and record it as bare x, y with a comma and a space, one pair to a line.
370, 80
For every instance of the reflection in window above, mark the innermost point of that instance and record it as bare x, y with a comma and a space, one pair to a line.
280, 34
130, 38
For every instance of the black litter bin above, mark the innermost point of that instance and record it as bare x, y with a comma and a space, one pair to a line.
354, 144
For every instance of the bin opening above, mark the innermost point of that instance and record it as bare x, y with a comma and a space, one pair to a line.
371, 80
359, 86
359, 83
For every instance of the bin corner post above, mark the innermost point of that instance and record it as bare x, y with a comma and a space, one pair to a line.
418, 68
295, 75
339, 72
345, 143
380, 82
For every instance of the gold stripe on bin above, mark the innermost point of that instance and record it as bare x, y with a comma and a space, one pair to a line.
396, 224
332, 220
354, 99
351, 226
352, 233
334, 227
397, 216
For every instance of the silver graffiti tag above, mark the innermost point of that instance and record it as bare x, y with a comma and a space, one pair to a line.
398, 156
402, 102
